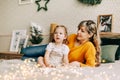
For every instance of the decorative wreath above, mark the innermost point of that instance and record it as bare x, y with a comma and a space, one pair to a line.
91, 2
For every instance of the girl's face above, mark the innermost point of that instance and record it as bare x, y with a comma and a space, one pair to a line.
59, 35
82, 34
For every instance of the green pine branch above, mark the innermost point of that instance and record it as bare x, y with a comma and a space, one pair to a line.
37, 37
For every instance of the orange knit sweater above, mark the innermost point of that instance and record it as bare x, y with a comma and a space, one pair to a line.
84, 53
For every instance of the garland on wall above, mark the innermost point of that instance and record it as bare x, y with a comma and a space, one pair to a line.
91, 2
42, 7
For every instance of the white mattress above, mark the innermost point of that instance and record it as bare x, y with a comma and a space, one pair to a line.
28, 70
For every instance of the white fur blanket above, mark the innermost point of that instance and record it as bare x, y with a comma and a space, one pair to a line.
28, 70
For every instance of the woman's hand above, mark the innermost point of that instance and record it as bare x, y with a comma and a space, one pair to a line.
75, 63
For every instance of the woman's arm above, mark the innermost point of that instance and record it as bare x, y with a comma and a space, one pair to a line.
90, 57
83, 55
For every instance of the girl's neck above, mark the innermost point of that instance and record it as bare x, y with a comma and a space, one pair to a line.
58, 44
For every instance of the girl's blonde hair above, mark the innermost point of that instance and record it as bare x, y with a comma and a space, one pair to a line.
95, 38
65, 41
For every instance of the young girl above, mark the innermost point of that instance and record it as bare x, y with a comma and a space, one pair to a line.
56, 52
85, 45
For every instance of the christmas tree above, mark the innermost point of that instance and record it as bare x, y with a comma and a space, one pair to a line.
36, 34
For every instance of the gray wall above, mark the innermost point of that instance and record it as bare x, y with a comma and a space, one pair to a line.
68, 12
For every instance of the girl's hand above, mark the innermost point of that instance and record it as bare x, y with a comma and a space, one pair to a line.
50, 65
64, 64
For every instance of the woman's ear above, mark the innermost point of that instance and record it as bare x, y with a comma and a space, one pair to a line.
90, 35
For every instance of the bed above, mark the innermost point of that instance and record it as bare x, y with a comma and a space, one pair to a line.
28, 69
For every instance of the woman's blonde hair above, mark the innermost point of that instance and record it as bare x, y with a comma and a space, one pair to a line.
95, 38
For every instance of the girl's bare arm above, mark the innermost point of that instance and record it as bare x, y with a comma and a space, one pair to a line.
46, 58
65, 60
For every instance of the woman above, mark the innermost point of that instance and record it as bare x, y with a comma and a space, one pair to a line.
85, 45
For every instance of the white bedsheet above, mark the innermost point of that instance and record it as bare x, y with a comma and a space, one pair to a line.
27, 70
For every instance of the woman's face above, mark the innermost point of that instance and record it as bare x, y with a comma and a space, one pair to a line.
82, 34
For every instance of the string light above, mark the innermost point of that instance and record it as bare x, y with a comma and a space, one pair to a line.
30, 70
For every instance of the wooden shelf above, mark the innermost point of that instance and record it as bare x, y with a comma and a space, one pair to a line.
5, 35
10, 55
110, 35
